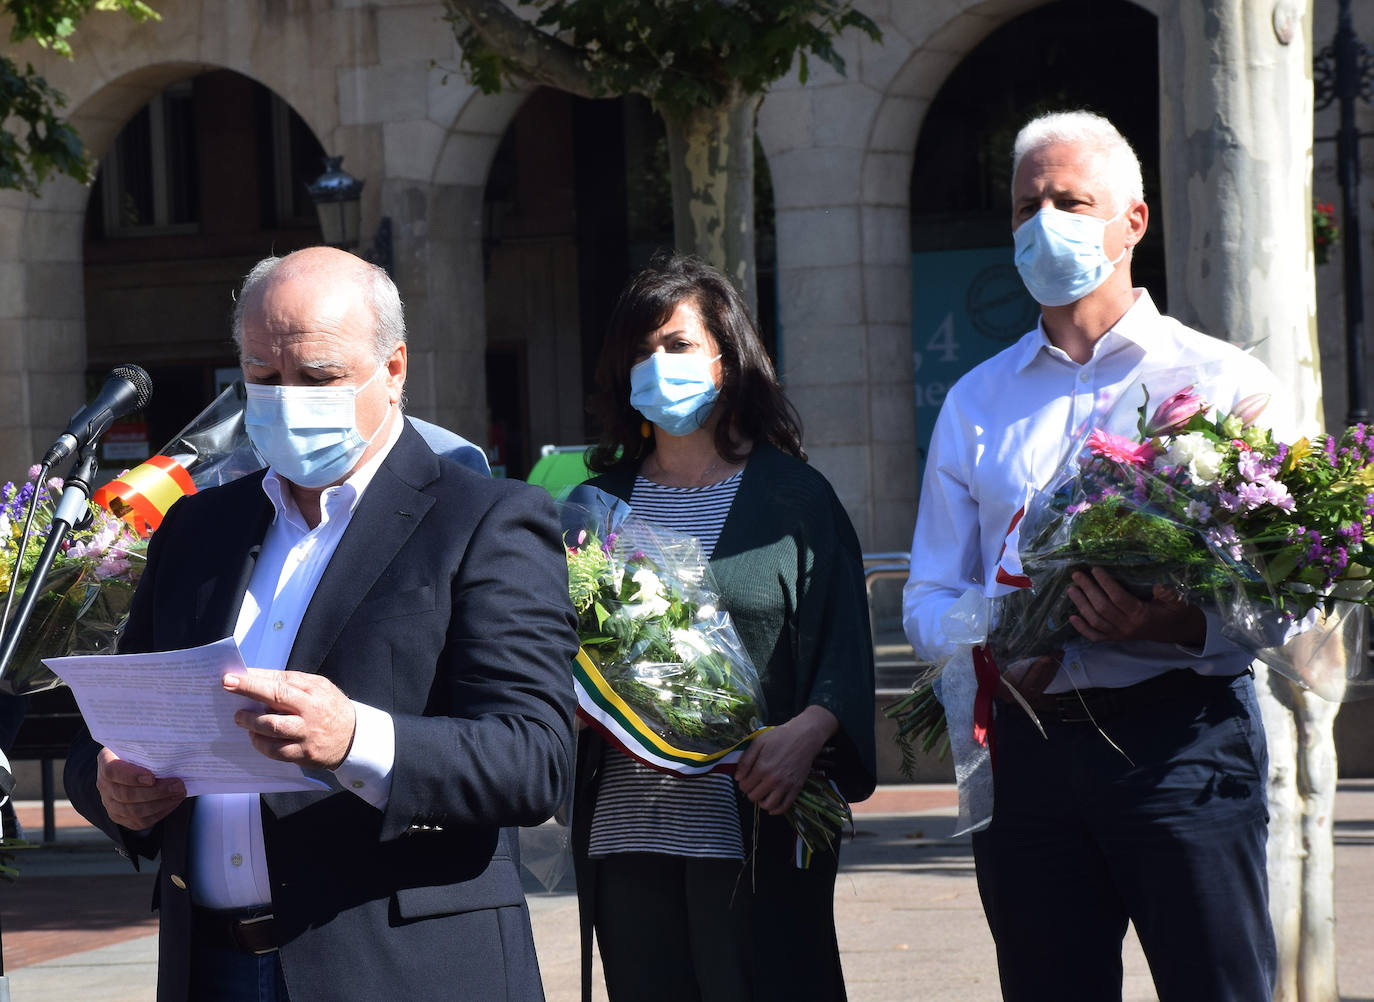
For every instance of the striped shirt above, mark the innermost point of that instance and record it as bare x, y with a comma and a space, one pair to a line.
639, 809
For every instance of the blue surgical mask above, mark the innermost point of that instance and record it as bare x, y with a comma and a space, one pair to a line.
1060, 257
674, 391
308, 434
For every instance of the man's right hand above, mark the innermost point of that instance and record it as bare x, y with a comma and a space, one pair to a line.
133, 797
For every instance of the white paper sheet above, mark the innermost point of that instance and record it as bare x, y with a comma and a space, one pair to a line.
169, 713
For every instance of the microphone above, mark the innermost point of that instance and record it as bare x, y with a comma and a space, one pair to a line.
127, 389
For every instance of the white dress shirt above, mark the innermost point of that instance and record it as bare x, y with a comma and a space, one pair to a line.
228, 861
1013, 422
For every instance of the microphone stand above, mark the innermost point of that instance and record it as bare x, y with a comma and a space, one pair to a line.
6, 788
72, 512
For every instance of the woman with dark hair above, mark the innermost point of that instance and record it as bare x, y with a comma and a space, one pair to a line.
690, 883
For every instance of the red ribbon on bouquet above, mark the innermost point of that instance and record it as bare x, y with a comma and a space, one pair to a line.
985, 670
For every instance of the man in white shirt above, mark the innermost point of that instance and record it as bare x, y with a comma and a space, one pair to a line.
410, 637
1144, 801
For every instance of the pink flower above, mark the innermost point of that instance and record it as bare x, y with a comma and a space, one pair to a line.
1276, 494
1175, 413
1119, 448
1251, 495
1250, 408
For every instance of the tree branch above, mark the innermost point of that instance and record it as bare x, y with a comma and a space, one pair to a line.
528, 52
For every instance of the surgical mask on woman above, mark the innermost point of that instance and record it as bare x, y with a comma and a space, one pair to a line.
1060, 257
308, 434
674, 391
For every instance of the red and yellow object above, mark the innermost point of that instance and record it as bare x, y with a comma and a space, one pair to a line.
142, 496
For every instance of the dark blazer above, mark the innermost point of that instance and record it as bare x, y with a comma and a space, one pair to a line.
445, 604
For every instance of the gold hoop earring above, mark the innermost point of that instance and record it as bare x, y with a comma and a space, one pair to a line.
644, 430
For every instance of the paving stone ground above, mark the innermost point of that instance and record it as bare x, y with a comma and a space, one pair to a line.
76, 924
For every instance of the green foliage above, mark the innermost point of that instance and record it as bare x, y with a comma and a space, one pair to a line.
44, 142
921, 724
40, 141
683, 54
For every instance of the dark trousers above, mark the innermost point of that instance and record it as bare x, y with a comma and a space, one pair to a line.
673, 928
220, 975
1083, 841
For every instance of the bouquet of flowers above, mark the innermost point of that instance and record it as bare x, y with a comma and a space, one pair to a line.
1275, 536
91, 582
88, 588
1214, 508
661, 672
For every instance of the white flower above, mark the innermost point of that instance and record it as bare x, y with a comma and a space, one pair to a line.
1198, 453
1206, 466
690, 645
705, 612
651, 603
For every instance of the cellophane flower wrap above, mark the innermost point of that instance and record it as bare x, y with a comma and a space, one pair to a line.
85, 597
1212, 507
662, 673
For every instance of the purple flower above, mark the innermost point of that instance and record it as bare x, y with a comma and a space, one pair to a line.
1276, 494
1228, 500
1224, 537
1198, 511
1251, 495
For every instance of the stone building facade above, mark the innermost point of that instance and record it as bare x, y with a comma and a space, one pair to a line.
378, 83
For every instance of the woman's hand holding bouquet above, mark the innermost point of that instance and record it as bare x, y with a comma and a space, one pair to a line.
662, 673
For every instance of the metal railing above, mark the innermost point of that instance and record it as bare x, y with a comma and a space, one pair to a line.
894, 660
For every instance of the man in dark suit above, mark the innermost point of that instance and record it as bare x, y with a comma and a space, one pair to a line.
410, 636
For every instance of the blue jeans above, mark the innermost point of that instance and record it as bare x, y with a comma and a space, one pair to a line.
1083, 841
220, 975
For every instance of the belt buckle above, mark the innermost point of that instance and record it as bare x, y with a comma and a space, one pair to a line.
240, 931
1071, 709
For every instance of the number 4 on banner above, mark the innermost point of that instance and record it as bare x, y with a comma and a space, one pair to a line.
942, 342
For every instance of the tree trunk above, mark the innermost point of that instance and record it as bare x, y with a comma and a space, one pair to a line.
1236, 171
711, 154
1277, 708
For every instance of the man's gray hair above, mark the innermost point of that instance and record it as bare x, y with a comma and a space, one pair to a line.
1120, 166
379, 292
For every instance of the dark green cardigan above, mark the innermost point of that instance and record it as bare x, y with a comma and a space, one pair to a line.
790, 573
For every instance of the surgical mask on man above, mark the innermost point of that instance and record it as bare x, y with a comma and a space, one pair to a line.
1060, 257
674, 391
308, 434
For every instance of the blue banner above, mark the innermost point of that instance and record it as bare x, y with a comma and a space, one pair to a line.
967, 305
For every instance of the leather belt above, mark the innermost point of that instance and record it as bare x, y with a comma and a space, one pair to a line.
244, 931
1085, 706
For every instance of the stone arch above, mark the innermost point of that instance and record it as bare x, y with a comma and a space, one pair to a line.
45, 322
933, 51
842, 149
